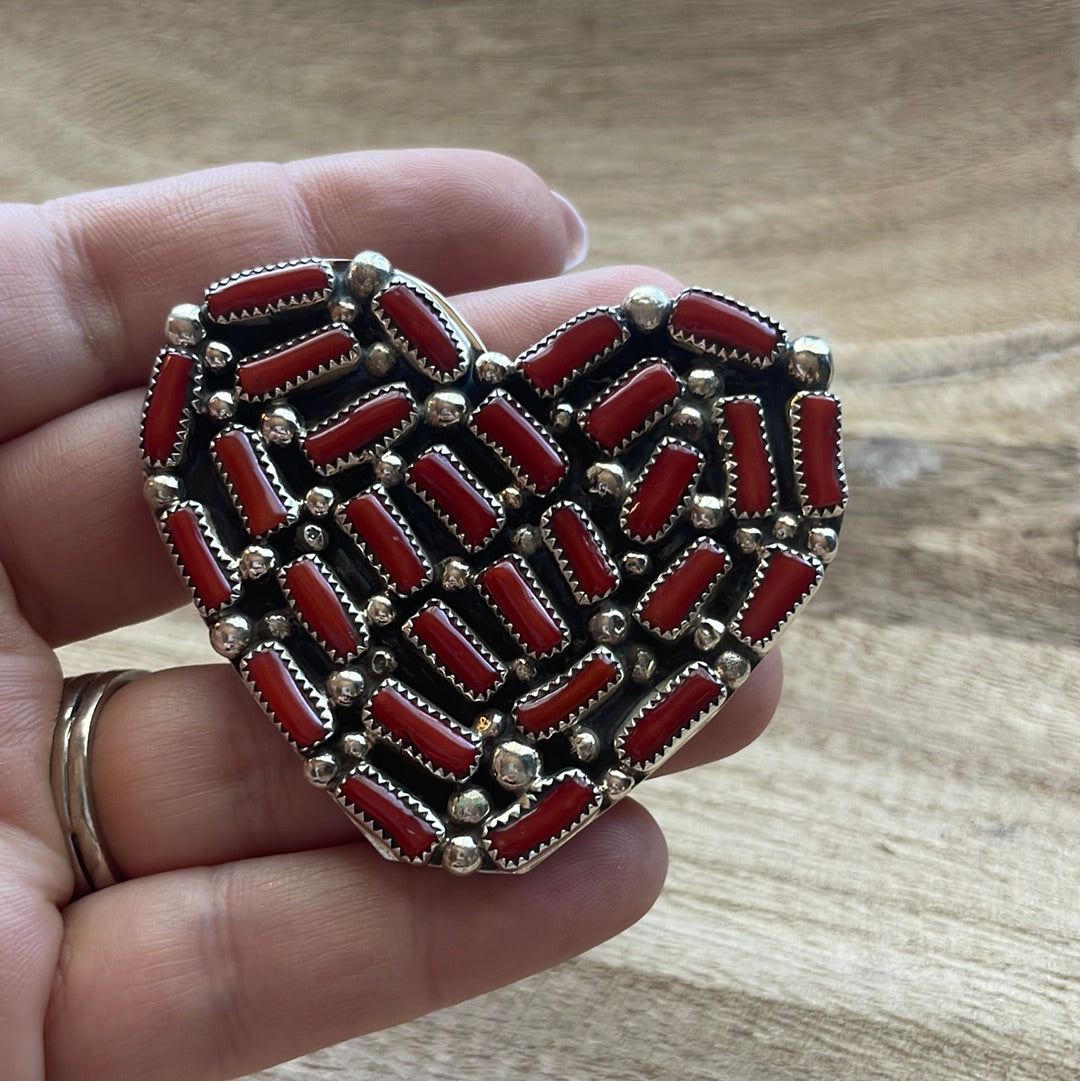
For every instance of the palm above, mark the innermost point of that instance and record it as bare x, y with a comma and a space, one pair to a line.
202, 963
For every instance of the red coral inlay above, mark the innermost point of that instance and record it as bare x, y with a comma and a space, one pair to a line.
554, 709
591, 571
675, 596
662, 720
557, 809
529, 452
387, 542
519, 605
454, 651
444, 484
412, 834
166, 407
277, 368
722, 325
429, 732
571, 349
197, 559
290, 706
323, 612
662, 490
359, 427
787, 579
262, 506
754, 494
268, 290
612, 420
418, 322
820, 470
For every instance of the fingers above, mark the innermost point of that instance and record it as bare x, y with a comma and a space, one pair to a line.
188, 770
82, 552
246, 965
88, 280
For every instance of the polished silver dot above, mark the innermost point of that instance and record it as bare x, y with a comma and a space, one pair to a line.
221, 405
490, 725
355, 744
380, 359
382, 661
462, 855
708, 634
749, 539
615, 784
607, 480
276, 625
389, 469
785, 527
312, 537
469, 806
279, 425
321, 769
526, 540
636, 563
562, 416
217, 355
733, 668
523, 669
455, 575
492, 368
647, 307
515, 765
703, 382
231, 634
445, 408
345, 687
512, 497
379, 611
343, 309
368, 272
183, 325
822, 542
319, 501
609, 626
162, 490
256, 560
706, 512
810, 362
585, 744
642, 664
688, 421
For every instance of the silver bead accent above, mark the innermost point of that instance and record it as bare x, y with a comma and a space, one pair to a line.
343, 310
469, 806
523, 669
382, 661
217, 355
749, 539
355, 744
785, 527
526, 540
162, 490
515, 765
647, 307
706, 512
183, 325
707, 634
642, 664
636, 563
607, 480
221, 405
512, 497
585, 744
312, 537
321, 769
257, 560
455, 575
445, 408
319, 502
615, 784
379, 611
562, 416
733, 668
276, 625
609, 626
492, 368
380, 359
688, 421
231, 634
279, 425
810, 362
703, 382
389, 469
822, 542
490, 725
345, 687
462, 855
368, 272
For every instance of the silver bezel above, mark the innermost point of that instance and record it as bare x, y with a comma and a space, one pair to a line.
542, 599
584, 367
680, 507
520, 476
195, 386
553, 546
699, 345
229, 566
795, 417
318, 701
345, 600
731, 479
432, 658
647, 424
266, 463
554, 684
342, 363
287, 304
763, 645
695, 609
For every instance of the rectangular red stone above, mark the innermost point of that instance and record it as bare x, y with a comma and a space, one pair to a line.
558, 809
425, 729
531, 619
784, 580
563, 700
435, 476
302, 712
417, 321
371, 419
532, 457
572, 350
168, 409
261, 505
269, 289
721, 326
636, 400
659, 495
317, 603
678, 593
386, 542
411, 833
754, 491
455, 651
819, 468
276, 370
587, 567
197, 560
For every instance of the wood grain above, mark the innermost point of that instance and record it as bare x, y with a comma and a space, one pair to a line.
885, 885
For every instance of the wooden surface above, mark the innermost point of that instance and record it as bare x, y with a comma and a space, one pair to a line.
889, 885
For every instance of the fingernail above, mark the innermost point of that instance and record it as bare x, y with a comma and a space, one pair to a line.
577, 232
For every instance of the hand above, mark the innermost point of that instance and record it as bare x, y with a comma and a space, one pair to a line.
253, 924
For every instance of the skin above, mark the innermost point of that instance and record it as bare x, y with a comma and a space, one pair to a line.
253, 926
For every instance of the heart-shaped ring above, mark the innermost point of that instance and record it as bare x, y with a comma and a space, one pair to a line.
485, 597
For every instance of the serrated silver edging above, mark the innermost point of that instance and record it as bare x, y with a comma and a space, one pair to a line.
563, 563
195, 381
685, 733
680, 507
700, 345
501, 452
224, 558
587, 365
554, 684
319, 703
432, 658
542, 599
409, 749
695, 609
342, 362
763, 645
647, 424
344, 599
731, 464
290, 303
795, 420
262, 456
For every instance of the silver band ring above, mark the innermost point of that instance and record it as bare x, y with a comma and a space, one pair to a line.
81, 703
